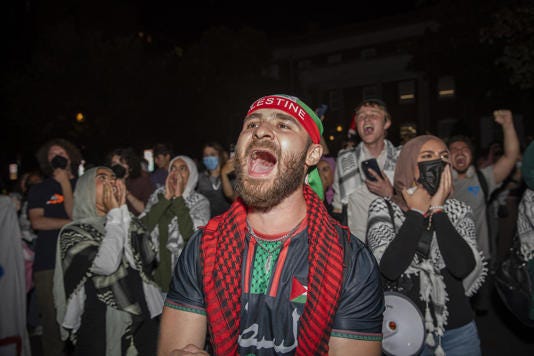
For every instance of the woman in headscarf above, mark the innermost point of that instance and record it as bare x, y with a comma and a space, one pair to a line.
425, 244
173, 213
106, 300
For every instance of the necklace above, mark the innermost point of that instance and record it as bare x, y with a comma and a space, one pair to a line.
215, 182
270, 251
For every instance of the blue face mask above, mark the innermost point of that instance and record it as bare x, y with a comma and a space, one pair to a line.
211, 162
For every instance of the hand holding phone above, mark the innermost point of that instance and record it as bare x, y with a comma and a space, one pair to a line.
371, 164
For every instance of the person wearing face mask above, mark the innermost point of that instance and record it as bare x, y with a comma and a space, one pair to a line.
50, 205
126, 164
213, 183
173, 213
425, 242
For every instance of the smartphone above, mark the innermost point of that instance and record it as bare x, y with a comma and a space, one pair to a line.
369, 164
148, 154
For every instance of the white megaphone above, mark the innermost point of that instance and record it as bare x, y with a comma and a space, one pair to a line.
403, 327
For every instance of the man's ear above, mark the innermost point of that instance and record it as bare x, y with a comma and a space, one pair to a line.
315, 152
387, 124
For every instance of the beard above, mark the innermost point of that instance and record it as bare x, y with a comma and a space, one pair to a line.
265, 194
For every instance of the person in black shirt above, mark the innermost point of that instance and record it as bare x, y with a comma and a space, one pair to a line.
424, 237
49, 209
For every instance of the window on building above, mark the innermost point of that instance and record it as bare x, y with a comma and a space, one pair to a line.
446, 87
406, 91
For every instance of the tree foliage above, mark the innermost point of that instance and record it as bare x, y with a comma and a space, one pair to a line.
512, 29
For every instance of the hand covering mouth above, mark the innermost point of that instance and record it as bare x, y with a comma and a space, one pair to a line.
261, 162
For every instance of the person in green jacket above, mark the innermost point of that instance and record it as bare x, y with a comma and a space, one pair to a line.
173, 213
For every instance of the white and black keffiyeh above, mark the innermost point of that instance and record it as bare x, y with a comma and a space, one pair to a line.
525, 224
381, 231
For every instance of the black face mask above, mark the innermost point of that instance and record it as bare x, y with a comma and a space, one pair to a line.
119, 171
430, 174
59, 162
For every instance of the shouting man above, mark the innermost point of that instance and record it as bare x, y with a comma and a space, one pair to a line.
275, 275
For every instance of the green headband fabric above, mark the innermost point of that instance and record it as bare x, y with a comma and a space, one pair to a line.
314, 181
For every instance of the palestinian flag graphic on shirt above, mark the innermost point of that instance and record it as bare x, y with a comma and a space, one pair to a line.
299, 292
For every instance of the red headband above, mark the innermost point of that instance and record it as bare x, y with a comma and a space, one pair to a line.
294, 107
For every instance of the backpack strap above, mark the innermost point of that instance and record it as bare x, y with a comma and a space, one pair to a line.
483, 184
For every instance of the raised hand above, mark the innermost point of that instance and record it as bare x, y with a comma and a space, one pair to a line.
109, 199
444, 189
228, 167
61, 175
503, 117
381, 187
170, 183
419, 199
174, 185
120, 191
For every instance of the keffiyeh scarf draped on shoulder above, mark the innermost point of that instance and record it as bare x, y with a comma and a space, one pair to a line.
222, 248
525, 224
77, 248
348, 168
382, 231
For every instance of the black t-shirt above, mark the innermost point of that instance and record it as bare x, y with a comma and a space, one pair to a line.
270, 319
47, 195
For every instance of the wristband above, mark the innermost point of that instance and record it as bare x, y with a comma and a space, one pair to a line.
436, 207
417, 210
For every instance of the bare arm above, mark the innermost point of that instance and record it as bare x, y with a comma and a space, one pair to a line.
62, 176
41, 222
179, 329
136, 203
342, 346
506, 163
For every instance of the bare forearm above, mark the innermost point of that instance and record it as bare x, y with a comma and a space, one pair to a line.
179, 329
68, 201
506, 163
511, 142
45, 223
341, 346
135, 202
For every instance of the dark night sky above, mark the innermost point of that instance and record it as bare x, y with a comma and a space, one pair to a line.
279, 19
171, 23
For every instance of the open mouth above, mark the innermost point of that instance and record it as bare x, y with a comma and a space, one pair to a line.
368, 129
460, 161
261, 163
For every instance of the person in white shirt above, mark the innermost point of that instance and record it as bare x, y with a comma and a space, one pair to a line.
353, 192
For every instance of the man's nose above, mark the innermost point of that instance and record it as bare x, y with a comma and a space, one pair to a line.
263, 130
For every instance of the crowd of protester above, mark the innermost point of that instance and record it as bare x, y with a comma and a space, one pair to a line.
99, 249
